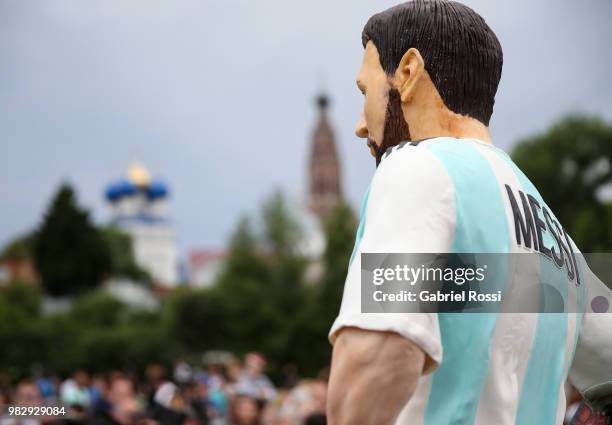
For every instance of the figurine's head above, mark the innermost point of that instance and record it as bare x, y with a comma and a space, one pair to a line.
426, 63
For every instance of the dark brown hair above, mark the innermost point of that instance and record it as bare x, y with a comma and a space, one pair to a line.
462, 54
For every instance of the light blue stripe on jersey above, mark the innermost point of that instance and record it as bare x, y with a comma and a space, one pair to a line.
540, 390
361, 228
481, 227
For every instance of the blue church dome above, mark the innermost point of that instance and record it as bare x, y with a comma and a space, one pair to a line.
119, 189
157, 190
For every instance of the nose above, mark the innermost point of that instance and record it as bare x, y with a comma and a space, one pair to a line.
362, 129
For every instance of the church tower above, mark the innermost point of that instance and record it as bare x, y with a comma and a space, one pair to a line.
324, 167
139, 206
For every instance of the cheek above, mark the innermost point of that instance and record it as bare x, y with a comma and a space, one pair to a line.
375, 112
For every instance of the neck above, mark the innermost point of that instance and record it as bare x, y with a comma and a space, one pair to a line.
434, 119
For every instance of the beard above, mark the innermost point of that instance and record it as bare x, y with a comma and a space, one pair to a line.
396, 128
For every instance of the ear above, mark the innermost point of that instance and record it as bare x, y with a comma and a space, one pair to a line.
408, 73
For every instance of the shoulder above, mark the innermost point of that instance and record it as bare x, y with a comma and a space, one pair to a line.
410, 178
411, 165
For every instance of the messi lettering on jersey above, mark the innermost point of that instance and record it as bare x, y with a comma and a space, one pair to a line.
530, 225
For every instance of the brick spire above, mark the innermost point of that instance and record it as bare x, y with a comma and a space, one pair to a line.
324, 166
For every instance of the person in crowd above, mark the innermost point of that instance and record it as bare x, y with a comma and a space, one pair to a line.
196, 395
182, 373
27, 394
155, 375
74, 392
244, 410
169, 406
304, 400
253, 382
99, 392
124, 407
209, 398
47, 386
218, 389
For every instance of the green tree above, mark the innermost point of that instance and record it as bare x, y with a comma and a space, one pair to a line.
106, 334
24, 297
244, 254
340, 227
98, 310
262, 286
242, 288
197, 319
19, 248
322, 304
571, 164
236, 312
21, 336
285, 292
98, 333
281, 231
69, 253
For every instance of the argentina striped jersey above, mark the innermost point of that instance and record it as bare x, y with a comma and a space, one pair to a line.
448, 195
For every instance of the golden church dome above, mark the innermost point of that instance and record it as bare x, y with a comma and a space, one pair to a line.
139, 175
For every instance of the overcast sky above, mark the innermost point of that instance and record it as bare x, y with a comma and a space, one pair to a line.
216, 97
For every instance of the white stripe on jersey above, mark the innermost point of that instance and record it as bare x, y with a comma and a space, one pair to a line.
513, 333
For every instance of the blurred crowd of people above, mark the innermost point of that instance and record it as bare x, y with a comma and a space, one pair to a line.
230, 393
